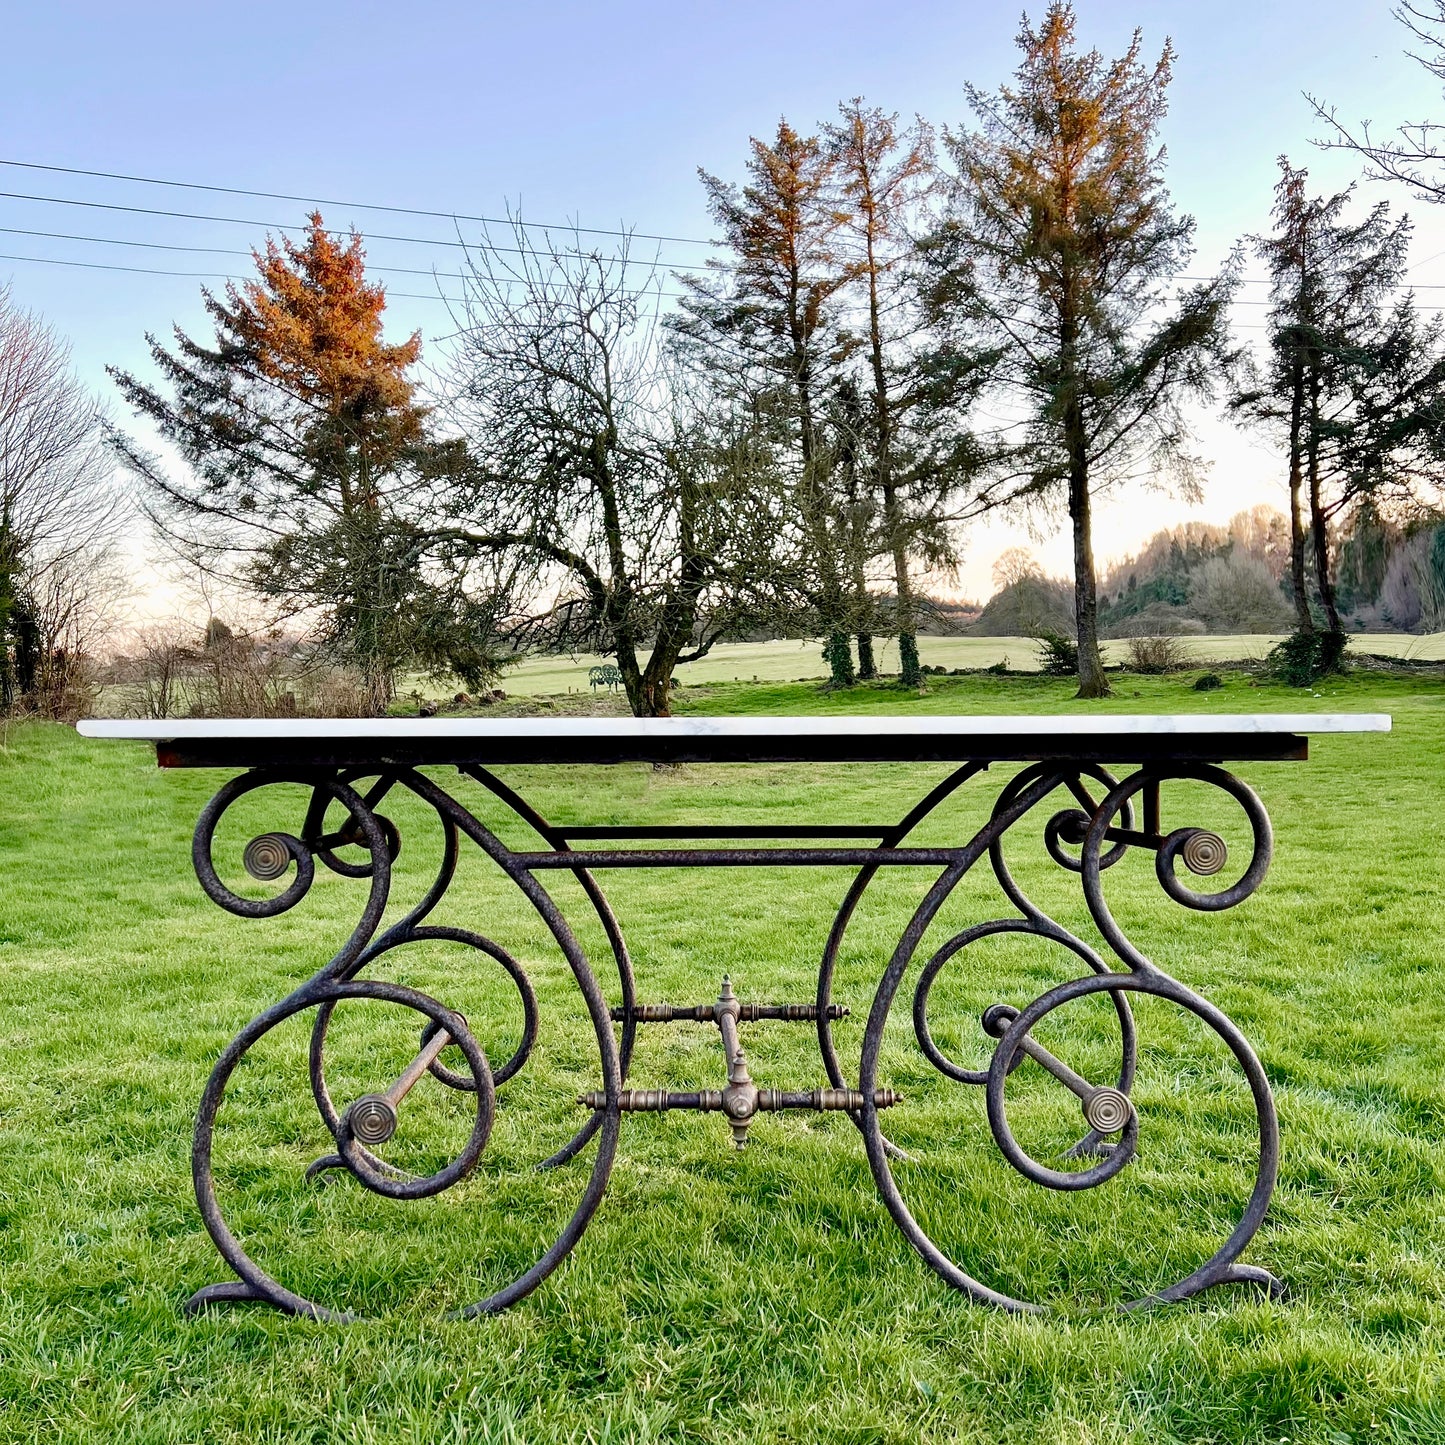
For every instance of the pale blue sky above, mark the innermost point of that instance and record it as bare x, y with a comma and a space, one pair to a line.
602, 112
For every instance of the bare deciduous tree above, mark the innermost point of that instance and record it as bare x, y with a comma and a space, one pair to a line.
1413, 154
1013, 565
640, 501
60, 512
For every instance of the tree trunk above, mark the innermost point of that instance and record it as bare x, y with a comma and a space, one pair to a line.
1304, 621
677, 619
862, 602
625, 652
653, 696
839, 655
910, 673
7, 675
27, 650
1092, 682
7, 607
1323, 580
380, 687
1318, 524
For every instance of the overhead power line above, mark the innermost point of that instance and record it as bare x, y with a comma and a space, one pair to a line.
190, 275
234, 251
654, 264
349, 205
284, 226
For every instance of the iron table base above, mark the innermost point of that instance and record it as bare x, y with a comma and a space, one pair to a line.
1094, 829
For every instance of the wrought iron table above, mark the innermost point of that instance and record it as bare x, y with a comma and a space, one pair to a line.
1065, 759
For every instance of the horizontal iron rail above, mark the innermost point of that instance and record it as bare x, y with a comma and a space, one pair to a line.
739, 858
721, 830
706, 1013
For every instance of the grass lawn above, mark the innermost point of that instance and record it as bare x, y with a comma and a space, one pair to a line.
762, 1296
791, 660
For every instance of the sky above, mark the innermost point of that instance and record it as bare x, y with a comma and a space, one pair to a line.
601, 114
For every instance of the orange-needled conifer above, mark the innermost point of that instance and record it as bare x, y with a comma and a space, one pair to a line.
313, 471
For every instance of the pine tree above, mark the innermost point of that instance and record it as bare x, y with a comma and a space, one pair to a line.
770, 319
312, 462
882, 174
1060, 252
1352, 384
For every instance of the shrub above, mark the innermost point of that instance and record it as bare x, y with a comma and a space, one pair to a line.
1156, 654
1207, 682
1237, 593
1303, 658
998, 668
175, 673
1058, 655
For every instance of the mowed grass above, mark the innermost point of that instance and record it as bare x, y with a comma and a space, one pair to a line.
789, 660
717, 1296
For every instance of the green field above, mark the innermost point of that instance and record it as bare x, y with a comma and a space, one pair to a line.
762, 1296
791, 661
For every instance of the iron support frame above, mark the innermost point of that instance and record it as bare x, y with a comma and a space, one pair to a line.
1097, 820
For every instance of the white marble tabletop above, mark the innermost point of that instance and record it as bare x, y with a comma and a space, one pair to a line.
1063, 726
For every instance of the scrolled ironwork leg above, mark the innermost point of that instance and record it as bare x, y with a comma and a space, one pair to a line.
256, 1283
1108, 1109
1221, 1267
367, 1121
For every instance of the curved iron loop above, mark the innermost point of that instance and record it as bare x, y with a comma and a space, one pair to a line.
323, 845
1069, 775
1046, 930
827, 967
1206, 849
1220, 1267
319, 991
399, 932
626, 980
265, 853
514, 970
353, 1135
466, 1083
1023, 800
1107, 1109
